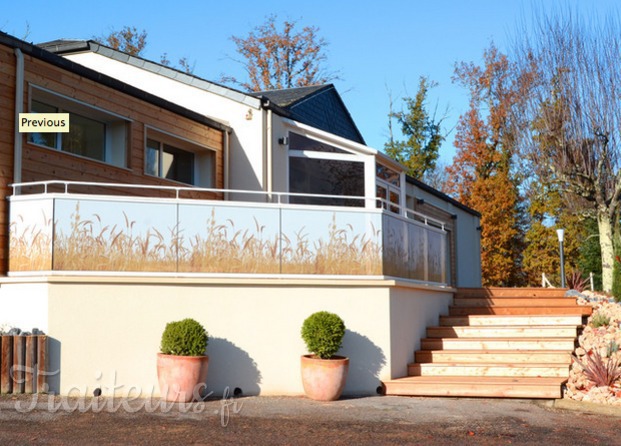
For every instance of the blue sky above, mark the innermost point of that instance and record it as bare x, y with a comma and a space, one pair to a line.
377, 47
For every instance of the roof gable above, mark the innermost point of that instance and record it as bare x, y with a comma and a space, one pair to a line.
319, 106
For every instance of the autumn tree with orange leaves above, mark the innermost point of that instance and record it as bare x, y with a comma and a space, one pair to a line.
483, 175
281, 58
128, 39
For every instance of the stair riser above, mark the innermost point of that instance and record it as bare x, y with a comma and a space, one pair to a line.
538, 357
511, 292
496, 344
489, 370
513, 302
494, 320
501, 332
519, 311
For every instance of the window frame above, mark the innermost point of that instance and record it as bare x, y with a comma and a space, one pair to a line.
340, 154
203, 172
116, 127
391, 189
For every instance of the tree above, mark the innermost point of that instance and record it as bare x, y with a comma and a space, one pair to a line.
423, 133
547, 212
281, 58
131, 41
574, 105
128, 39
482, 175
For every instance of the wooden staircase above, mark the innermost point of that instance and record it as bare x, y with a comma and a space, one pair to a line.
497, 342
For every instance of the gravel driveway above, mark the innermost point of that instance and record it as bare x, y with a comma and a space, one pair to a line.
296, 420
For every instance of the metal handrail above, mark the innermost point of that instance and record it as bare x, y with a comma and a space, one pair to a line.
380, 202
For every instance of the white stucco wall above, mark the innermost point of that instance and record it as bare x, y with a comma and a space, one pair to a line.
105, 332
24, 304
410, 315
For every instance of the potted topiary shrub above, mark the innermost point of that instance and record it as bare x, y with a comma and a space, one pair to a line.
182, 364
323, 373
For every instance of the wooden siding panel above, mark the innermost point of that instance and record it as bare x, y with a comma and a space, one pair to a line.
40, 163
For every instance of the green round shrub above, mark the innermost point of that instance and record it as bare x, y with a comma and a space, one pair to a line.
184, 338
323, 333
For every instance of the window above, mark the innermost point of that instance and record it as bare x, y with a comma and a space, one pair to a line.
319, 168
176, 159
388, 188
93, 133
169, 162
326, 177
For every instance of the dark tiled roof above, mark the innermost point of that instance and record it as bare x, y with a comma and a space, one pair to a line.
319, 106
289, 96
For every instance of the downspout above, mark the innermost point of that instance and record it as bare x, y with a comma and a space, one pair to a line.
19, 108
227, 163
270, 155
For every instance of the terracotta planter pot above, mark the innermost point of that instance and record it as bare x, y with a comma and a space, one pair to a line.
181, 378
324, 379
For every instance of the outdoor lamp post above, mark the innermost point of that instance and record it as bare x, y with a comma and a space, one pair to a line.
561, 237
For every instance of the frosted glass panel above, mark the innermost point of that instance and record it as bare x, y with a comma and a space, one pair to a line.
229, 239
330, 242
103, 235
30, 235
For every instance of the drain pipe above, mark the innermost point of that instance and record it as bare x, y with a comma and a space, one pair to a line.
227, 163
19, 108
270, 156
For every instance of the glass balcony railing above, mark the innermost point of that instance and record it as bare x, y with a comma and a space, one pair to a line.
58, 230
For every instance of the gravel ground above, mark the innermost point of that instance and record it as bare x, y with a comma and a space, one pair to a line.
297, 420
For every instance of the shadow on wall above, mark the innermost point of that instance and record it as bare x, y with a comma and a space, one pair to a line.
231, 367
52, 369
366, 360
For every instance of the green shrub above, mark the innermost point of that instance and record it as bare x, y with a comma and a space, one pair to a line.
323, 333
612, 348
184, 338
600, 320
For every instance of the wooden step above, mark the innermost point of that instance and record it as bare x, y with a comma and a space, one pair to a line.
494, 356
488, 369
513, 302
476, 386
511, 292
509, 320
494, 331
499, 344
582, 310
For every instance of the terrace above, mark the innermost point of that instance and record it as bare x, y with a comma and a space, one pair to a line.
65, 227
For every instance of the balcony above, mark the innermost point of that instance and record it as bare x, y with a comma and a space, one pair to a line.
61, 227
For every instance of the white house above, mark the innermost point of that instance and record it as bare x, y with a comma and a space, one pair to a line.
247, 212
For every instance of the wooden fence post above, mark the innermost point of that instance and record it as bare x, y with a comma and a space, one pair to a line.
19, 356
30, 363
6, 364
41, 364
